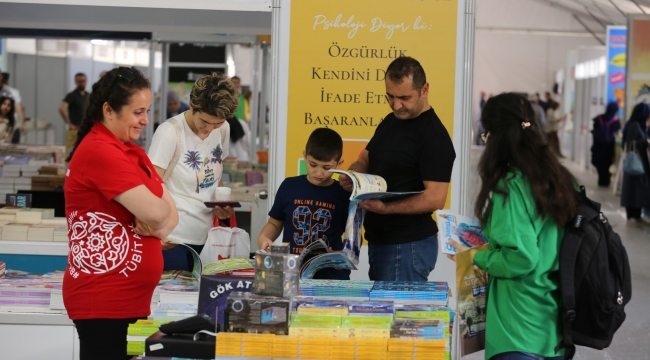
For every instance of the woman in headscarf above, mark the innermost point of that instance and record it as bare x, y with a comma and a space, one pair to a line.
635, 194
605, 130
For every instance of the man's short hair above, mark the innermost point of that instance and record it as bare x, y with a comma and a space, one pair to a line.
5, 78
406, 66
79, 74
235, 77
325, 145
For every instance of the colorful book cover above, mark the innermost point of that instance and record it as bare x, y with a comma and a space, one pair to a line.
463, 230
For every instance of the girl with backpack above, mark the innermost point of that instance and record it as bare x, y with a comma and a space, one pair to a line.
635, 193
525, 200
605, 129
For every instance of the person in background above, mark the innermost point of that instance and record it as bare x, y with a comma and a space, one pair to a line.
174, 104
247, 104
479, 126
312, 201
553, 122
240, 137
205, 137
7, 118
412, 150
526, 199
540, 115
118, 211
73, 107
20, 109
240, 112
606, 128
635, 193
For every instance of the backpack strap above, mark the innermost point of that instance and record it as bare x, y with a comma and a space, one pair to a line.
177, 150
568, 254
571, 243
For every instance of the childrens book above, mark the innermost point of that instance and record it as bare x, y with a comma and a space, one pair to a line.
364, 187
463, 230
317, 256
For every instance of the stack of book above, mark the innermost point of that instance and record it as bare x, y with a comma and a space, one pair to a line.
238, 266
40, 233
336, 288
33, 216
26, 295
16, 232
246, 345
173, 311
408, 349
58, 221
436, 293
60, 234
429, 312
180, 291
138, 332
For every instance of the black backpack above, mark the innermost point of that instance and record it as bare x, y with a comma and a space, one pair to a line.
595, 280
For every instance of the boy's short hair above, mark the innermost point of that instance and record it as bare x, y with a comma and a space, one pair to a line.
325, 145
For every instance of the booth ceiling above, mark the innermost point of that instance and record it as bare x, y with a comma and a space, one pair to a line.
166, 24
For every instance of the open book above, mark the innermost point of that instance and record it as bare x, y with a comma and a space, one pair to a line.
317, 256
462, 229
197, 268
365, 187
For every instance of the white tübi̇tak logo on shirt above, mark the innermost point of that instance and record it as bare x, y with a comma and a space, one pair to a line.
99, 244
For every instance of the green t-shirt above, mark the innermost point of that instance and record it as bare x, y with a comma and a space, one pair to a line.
523, 264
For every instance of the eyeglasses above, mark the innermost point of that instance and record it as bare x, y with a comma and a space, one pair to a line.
126, 73
484, 136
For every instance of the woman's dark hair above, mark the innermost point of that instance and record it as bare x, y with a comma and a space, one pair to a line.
515, 142
11, 114
114, 88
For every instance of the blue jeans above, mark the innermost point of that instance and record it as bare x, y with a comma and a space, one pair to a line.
412, 261
515, 355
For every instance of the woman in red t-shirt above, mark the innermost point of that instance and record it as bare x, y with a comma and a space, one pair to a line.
117, 210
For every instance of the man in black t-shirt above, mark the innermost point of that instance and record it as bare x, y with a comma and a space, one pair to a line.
73, 107
412, 150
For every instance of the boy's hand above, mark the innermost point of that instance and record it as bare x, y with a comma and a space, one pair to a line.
345, 182
264, 243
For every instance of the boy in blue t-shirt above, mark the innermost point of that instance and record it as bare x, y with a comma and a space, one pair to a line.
312, 206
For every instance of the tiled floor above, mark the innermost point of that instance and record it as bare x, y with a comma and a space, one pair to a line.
632, 341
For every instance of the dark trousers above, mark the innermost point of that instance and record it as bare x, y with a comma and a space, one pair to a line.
180, 258
633, 213
604, 176
103, 339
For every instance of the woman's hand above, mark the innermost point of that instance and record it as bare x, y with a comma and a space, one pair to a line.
458, 247
223, 212
142, 229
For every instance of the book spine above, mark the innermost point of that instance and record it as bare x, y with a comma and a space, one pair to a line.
142, 330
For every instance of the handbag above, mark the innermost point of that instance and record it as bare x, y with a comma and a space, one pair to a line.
632, 164
226, 243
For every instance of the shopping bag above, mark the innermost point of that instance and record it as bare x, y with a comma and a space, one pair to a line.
471, 286
225, 243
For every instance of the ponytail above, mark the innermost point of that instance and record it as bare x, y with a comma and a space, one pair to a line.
113, 88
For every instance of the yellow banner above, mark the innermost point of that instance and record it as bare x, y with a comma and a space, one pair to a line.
339, 51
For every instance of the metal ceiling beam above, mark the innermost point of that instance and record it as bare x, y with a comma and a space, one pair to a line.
639, 6
619, 9
595, 18
588, 29
572, 11
602, 11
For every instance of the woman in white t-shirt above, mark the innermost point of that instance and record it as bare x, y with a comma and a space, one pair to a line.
204, 136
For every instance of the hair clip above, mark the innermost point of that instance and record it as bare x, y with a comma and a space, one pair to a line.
525, 124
